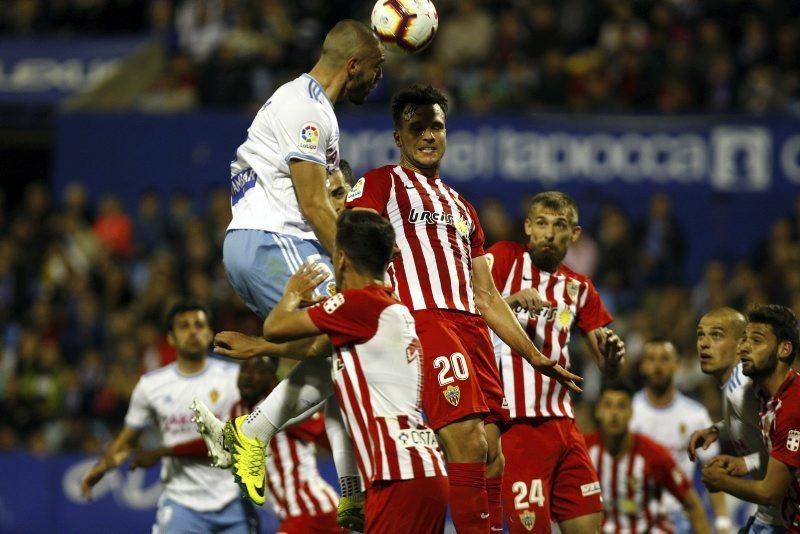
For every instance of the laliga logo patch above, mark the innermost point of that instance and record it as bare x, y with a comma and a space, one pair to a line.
333, 303
331, 288
452, 394
309, 137
793, 440
357, 190
528, 519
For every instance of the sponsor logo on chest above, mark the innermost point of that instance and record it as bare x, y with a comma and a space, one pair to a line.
417, 438
436, 217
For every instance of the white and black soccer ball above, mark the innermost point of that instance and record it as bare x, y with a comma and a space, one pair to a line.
409, 25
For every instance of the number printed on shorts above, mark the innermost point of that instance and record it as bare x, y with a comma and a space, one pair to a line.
524, 496
457, 362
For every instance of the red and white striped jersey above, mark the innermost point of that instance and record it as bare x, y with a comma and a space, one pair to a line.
377, 377
438, 234
780, 426
573, 301
294, 484
633, 483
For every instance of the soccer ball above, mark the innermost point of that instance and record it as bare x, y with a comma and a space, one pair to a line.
407, 24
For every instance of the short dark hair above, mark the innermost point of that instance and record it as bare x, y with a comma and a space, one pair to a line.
183, 306
417, 95
782, 321
617, 384
558, 202
347, 172
367, 239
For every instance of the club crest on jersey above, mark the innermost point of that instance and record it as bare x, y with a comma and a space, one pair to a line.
309, 137
331, 288
357, 191
528, 519
332, 304
452, 394
573, 286
793, 440
214, 396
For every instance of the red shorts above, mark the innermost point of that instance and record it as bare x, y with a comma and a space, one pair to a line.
320, 524
417, 505
535, 451
460, 376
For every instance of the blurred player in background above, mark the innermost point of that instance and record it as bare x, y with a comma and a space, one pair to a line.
376, 376
559, 482
282, 216
635, 471
196, 498
297, 492
739, 432
768, 351
442, 274
669, 417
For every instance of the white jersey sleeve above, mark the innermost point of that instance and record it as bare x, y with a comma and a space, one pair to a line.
296, 123
139, 413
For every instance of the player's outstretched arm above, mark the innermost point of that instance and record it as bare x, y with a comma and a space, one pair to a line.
696, 513
287, 322
116, 453
501, 319
770, 491
315, 203
195, 448
243, 347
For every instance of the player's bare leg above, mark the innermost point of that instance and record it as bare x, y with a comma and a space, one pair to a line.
495, 463
589, 523
465, 445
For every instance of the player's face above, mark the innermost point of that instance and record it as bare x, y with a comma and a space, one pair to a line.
364, 75
422, 137
256, 380
716, 345
614, 412
550, 234
659, 365
190, 334
758, 350
337, 189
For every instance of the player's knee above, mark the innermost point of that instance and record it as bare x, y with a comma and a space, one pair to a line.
465, 441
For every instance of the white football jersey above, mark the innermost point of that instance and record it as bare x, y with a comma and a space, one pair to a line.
162, 399
297, 122
740, 431
672, 426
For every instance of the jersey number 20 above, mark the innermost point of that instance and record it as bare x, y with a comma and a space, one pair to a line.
457, 362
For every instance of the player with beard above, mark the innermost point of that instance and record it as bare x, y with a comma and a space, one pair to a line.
559, 482
669, 417
768, 351
739, 431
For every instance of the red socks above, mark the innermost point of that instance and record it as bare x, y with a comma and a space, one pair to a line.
469, 504
495, 503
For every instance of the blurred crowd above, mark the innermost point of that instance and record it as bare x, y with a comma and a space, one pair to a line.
83, 287
666, 56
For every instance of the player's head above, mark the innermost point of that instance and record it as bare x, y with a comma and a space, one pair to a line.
551, 227
419, 114
364, 244
188, 329
339, 183
718, 334
351, 45
659, 365
770, 338
257, 377
614, 408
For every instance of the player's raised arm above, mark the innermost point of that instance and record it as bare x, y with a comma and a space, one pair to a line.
286, 322
501, 320
312, 197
